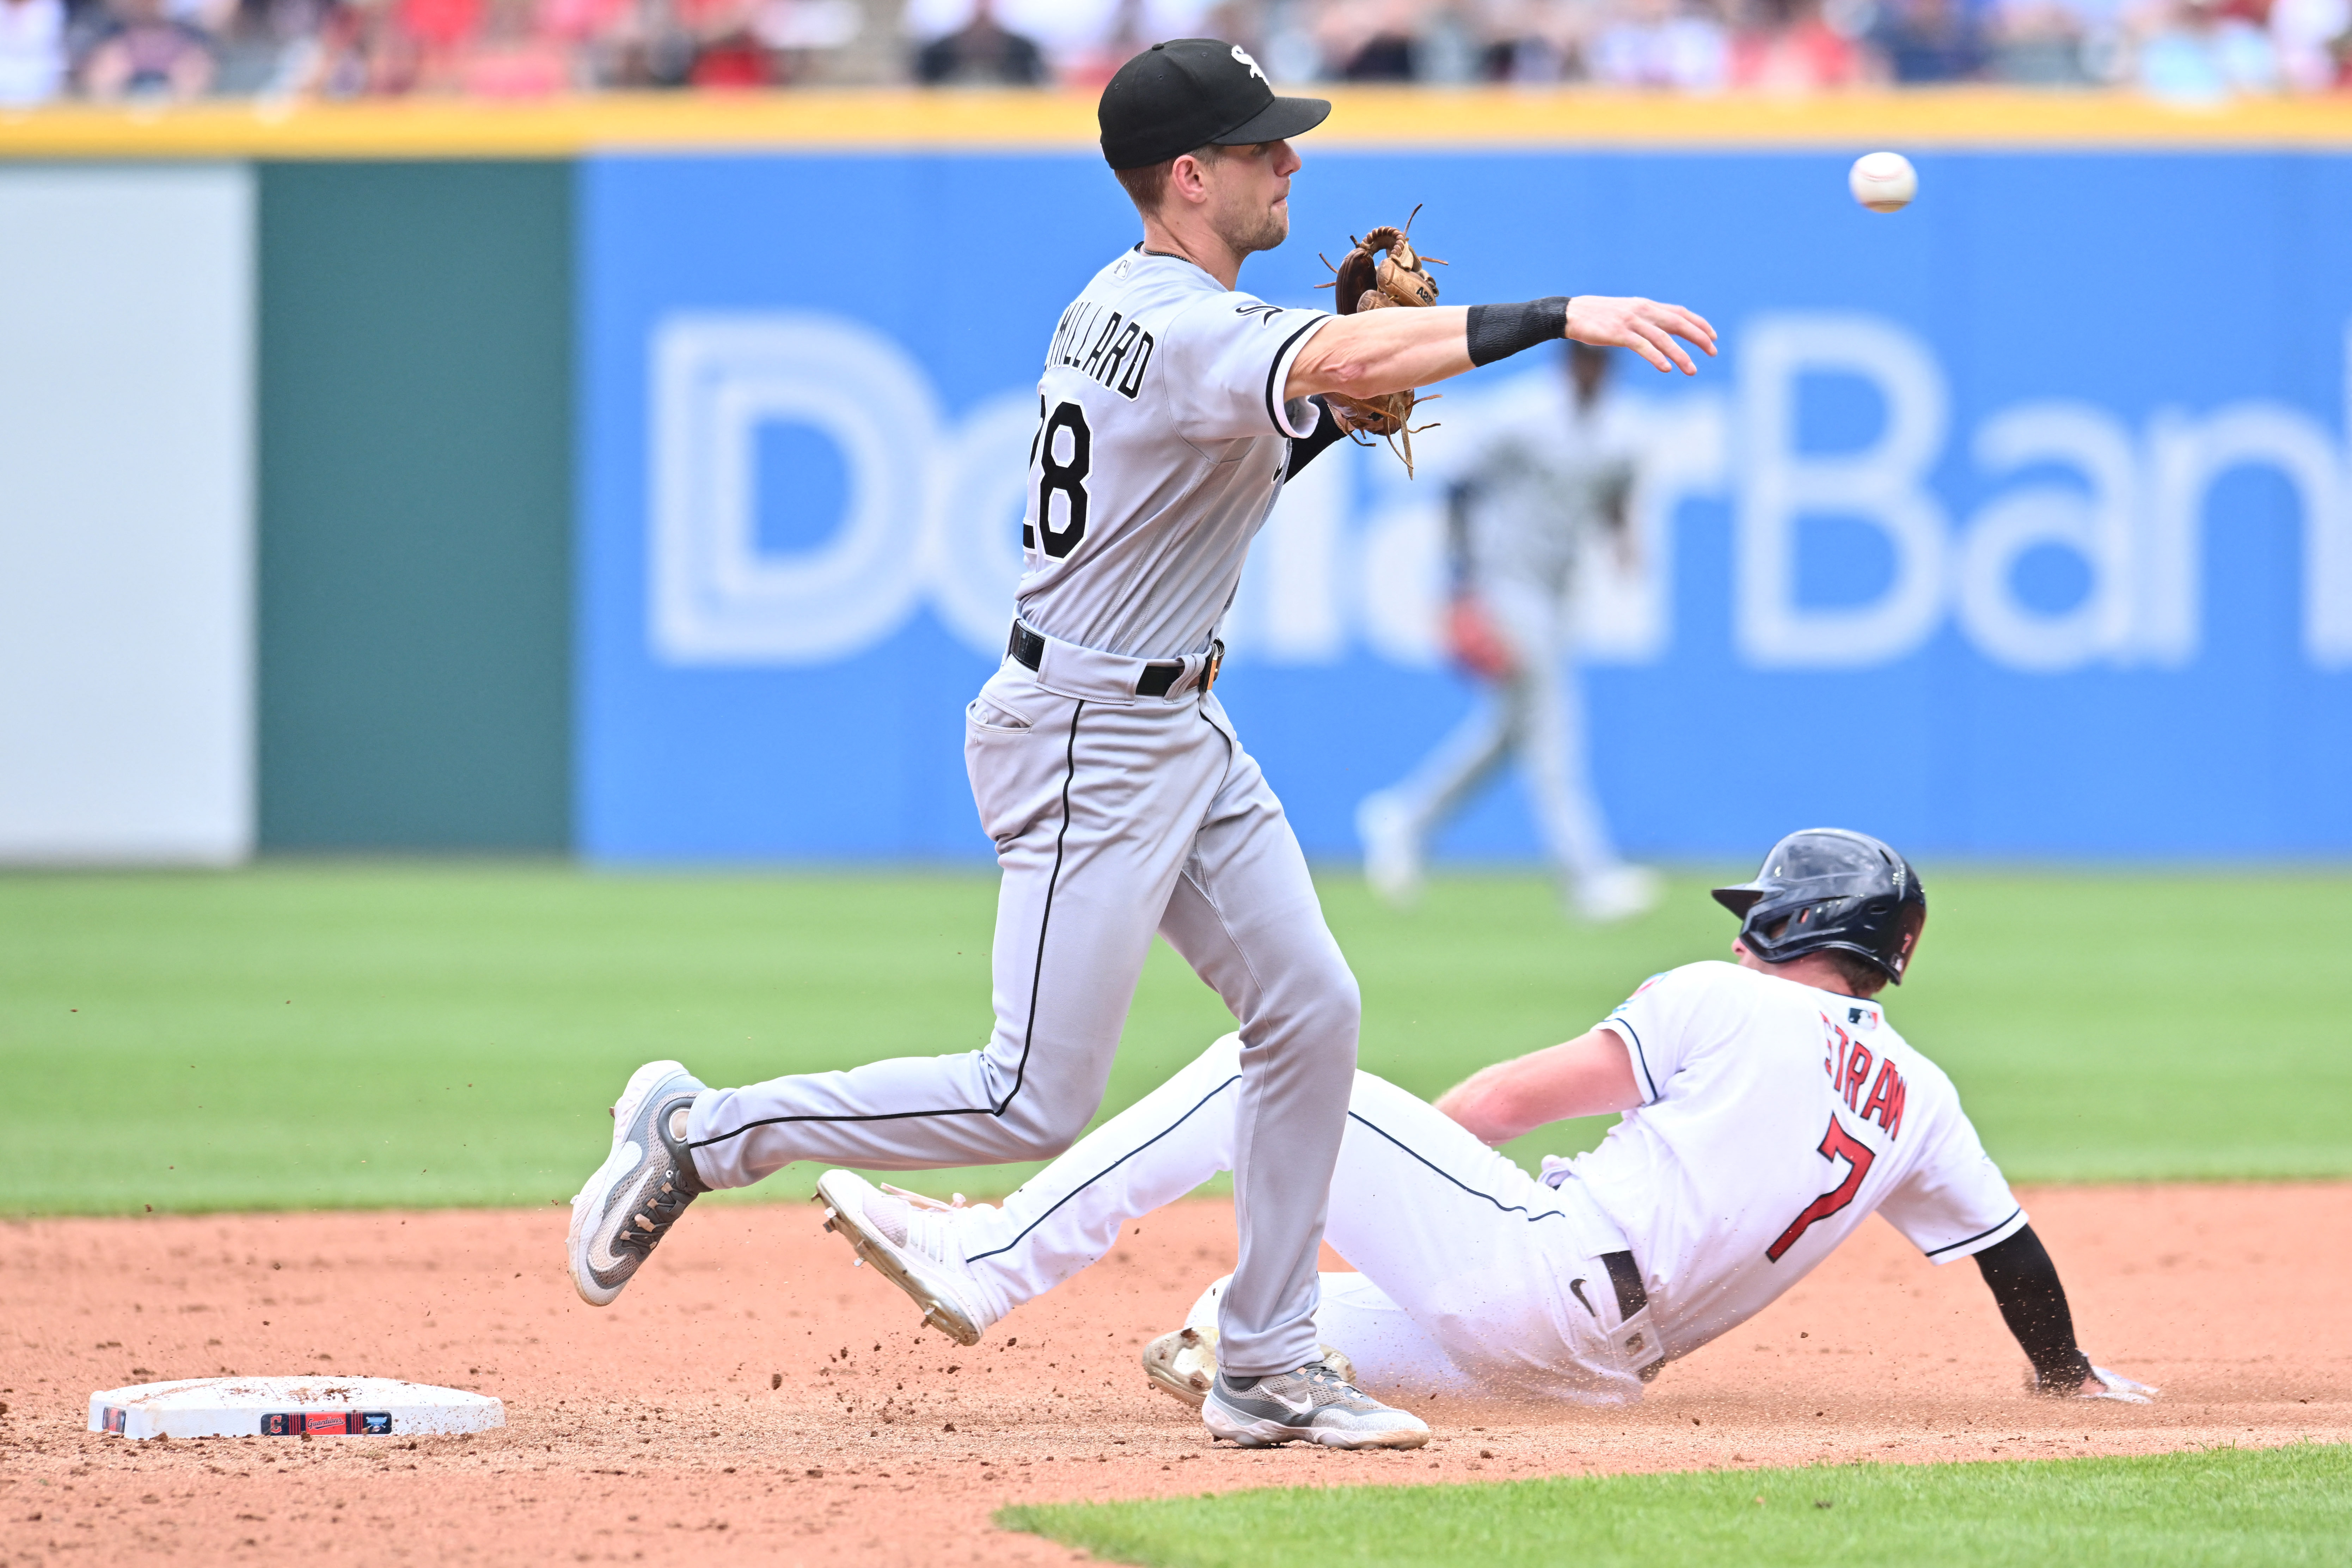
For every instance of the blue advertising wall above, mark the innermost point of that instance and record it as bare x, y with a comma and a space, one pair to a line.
2019, 524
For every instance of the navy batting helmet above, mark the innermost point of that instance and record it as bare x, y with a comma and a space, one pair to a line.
1827, 889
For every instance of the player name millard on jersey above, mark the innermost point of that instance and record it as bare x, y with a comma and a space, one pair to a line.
1102, 345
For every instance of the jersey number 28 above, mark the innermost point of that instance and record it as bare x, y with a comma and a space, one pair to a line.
1837, 1145
1057, 475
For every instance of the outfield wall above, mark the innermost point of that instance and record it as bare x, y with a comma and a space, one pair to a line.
126, 513
659, 500
416, 505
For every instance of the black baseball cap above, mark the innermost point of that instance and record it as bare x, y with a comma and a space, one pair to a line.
1195, 93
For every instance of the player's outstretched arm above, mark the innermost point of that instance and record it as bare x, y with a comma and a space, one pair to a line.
1374, 352
1590, 1075
2024, 1283
1377, 352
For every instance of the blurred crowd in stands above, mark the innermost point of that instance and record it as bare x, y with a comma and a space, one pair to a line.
2189, 50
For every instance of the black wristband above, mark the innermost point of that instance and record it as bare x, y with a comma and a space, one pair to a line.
1498, 332
1304, 449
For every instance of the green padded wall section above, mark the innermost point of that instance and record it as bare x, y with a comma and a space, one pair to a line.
415, 506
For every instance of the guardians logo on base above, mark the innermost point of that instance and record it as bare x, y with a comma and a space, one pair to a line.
235, 1406
326, 1423
293, 1422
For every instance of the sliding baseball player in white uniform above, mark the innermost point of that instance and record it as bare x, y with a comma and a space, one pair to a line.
1537, 495
1769, 1108
1170, 410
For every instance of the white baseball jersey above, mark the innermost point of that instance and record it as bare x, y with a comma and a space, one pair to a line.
1775, 1119
1161, 441
1544, 473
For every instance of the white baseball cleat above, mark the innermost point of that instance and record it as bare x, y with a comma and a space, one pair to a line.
1391, 850
914, 1243
1311, 1405
642, 1188
1618, 894
1184, 1364
2115, 1385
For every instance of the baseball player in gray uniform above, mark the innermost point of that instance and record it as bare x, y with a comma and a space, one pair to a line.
1172, 408
1769, 1108
1539, 491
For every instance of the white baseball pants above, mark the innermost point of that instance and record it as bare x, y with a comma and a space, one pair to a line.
1536, 715
1114, 816
1475, 1278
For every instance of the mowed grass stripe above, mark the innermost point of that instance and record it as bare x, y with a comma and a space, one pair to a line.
314, 1035
2281, 1505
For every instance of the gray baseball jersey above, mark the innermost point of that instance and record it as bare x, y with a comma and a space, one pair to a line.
1122, 803
1543, 477
1161, 444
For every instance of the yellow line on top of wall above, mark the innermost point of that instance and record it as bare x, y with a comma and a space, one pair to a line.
995, 121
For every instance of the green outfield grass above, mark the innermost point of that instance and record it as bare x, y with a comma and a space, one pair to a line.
2222, 1506
305, 1035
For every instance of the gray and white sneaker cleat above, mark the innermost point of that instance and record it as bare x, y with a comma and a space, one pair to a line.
643, 1184
1184, 1364
1620, 893
1391, 850
1313, 1405
912, 1242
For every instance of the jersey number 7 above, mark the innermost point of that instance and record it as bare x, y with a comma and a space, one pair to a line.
1837, 1145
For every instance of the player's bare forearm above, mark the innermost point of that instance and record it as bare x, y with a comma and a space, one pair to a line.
1374, 352
1378, 352
1590, 1075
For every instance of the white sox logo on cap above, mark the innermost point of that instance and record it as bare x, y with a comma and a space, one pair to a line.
1189, 93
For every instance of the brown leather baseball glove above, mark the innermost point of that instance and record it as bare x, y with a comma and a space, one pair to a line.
1368, 280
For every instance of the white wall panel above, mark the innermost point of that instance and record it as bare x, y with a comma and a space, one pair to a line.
126, 513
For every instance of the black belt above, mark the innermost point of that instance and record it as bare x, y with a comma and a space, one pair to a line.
1626, 1275
1633, 1296
1158, 677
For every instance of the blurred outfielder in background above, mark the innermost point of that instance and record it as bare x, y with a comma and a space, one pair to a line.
1547, 485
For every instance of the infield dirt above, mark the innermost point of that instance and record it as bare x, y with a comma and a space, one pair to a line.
753, 1394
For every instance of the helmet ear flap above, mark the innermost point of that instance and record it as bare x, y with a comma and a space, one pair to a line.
1764, 929
1910, 920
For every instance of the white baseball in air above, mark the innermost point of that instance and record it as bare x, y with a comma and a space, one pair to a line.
1884, 182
